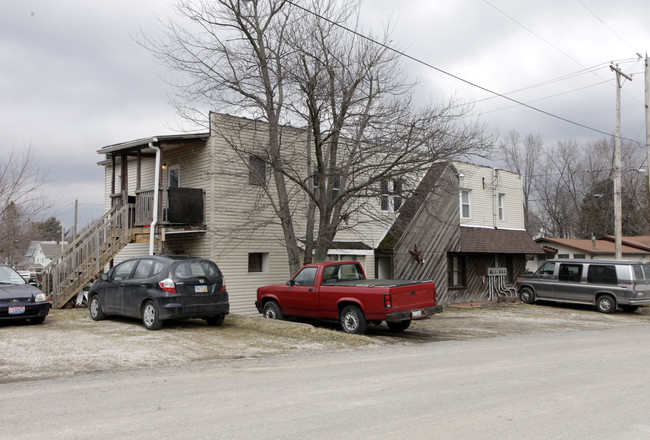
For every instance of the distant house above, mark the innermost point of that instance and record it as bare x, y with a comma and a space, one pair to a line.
632, 248
40, 253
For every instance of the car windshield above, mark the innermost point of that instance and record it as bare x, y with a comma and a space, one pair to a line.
10, 276
196, 268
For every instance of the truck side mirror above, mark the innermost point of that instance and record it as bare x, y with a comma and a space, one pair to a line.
290, 283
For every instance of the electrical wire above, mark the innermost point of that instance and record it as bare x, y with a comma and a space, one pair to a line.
456, 77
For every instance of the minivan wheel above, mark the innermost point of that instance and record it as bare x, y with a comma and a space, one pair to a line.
605, 304
526, 295
630, 309
151, 317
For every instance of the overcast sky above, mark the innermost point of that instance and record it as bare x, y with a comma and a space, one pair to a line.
74, 80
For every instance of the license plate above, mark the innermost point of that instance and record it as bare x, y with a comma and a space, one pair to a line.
16, 310
416, 313
201, 289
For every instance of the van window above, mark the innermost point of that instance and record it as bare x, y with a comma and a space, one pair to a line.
602, 274
570, 272
547, 269
646, 271
638, 273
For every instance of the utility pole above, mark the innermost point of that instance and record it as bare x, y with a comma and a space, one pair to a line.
647, 118
76, 212
617, 165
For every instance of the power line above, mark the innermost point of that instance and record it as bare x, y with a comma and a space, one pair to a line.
605, 24
458, 78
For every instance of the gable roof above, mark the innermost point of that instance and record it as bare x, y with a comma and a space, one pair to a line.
595, 247
51, 250
637, 241
496, 241
412, 205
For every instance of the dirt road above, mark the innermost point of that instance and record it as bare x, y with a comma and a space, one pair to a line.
70, 343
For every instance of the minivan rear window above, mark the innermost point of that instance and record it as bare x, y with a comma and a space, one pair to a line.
638, 273
602, 274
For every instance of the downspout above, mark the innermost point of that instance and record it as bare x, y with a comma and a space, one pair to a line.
156, 191
495, 181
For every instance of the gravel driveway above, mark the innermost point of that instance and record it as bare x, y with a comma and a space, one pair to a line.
70, 343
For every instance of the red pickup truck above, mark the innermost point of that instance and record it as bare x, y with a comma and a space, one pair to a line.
340, 290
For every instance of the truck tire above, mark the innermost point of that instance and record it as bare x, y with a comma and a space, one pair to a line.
605, 304
399, 326
352, 320
272, 310
526, 295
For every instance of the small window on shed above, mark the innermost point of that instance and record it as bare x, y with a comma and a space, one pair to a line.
579, 256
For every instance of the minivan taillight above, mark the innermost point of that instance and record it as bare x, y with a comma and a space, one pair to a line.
168, 285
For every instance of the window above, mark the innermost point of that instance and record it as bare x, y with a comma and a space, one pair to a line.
502, 207
547, 269
562, 255
465, 203
342, 272
602, 274
258, 262
256, 171
570, 272
391, 195
143, 269
174, 176
579, 256
306, 277
123, 270
335, 182
456, 271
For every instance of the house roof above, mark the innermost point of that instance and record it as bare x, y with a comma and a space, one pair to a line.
496, 241
51, 250
144, 142
411, 206
638, 241
596, 247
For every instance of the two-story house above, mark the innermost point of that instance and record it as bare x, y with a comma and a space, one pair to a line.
460, 220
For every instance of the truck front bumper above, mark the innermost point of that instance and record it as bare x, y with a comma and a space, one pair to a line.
426, 312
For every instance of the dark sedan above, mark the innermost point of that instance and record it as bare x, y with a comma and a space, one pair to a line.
19, 300
156, 288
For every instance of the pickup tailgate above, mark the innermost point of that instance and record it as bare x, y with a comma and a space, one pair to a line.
413, 296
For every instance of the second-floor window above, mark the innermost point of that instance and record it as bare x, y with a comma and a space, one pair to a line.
391, 195
174, 176
256, 171
334, 181
465, 203
502, 207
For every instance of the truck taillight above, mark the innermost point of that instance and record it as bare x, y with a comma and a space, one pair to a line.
168, 285
388, 301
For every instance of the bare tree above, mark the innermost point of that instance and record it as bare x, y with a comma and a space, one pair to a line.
272, 61
21, 200
522, 157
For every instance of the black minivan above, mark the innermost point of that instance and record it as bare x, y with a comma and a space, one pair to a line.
156, 288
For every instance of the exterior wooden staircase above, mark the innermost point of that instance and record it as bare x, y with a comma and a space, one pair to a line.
66, 275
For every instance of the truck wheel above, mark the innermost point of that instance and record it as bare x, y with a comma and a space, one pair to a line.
526, 295
272, 310
353, 321
399, 326
605, 304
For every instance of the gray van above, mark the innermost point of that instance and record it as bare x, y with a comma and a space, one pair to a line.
606, 284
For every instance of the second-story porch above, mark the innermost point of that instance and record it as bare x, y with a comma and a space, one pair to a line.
159, 177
